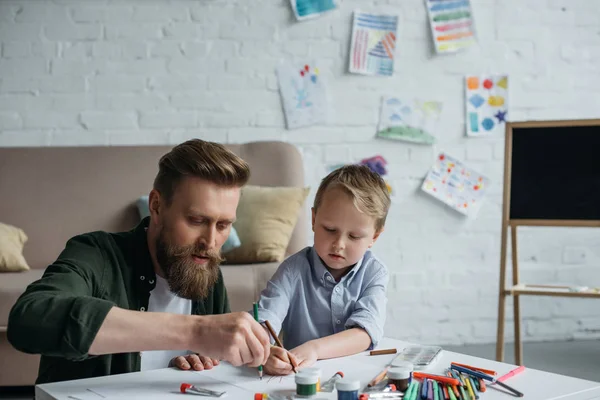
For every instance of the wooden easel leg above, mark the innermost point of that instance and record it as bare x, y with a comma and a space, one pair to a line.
501, 296
516, 300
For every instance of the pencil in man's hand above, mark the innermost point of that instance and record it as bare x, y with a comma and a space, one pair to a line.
272, 332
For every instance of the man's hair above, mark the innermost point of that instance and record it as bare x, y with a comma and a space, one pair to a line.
201, 159
367, 189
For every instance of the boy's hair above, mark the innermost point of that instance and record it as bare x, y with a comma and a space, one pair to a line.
201, 159
367, 189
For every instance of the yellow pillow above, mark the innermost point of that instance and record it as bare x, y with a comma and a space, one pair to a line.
266, 217
12, 240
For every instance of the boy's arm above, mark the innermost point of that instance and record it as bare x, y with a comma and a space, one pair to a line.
348, 342
370, 308
275, 299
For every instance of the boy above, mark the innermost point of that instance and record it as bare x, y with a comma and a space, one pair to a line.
330, 299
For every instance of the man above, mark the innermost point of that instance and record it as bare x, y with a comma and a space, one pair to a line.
156, 289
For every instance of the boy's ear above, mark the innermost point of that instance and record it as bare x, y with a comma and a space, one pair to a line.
376, 236
314, 213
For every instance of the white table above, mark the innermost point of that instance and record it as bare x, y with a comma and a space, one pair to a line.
241, 383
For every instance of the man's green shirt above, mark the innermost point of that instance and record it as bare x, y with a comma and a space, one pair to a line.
59, 315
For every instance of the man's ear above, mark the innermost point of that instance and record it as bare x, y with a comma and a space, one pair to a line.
376, 236
154, 204
314, 214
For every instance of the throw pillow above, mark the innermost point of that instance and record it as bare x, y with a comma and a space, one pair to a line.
266, 217
232, 242
12, 240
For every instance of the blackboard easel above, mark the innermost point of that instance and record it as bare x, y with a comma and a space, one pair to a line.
552, 179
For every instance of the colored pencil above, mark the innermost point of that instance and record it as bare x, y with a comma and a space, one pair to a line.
485, 371
272, 331
511, 374
382, 352
439, 378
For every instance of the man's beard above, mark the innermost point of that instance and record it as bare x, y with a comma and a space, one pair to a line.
185, 277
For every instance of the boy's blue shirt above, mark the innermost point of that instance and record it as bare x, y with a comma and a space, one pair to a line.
303, 299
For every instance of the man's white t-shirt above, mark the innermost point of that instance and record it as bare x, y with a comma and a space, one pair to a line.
163, 300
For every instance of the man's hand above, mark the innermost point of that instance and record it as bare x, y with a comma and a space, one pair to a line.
235, 337
279, 362
193, 361
305, 354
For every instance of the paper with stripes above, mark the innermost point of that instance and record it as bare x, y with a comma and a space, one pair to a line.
452, 24
373, 44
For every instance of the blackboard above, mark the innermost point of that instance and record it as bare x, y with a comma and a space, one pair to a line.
555, 172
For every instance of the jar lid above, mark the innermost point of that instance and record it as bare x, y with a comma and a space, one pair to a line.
347, 386
398, 373
403, 364
306, 379
311, 370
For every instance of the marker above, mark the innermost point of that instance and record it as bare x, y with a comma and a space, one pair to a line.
512, 373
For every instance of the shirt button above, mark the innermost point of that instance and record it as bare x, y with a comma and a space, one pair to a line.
142, 308
151, 281
142, 278
329, 278
338, 321
337, 289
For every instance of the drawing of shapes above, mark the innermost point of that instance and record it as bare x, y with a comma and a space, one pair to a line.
431, 108
503, 82
488, 84
449, 6
451, 16
373, 44
473, 122
496, 101
395, 118
393, 101
488, 124
501, 116
304, 9
476, 100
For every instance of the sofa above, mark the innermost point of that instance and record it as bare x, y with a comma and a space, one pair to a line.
54, 193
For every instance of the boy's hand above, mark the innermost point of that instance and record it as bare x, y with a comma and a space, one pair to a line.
305, 354
194, 361
279, 362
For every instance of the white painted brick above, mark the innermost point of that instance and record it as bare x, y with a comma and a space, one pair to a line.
170, 84
163, 13
233, 31
92, 120
76, 51
42, 13
179, 119
90, 13
325, 48
9, 120
17, 68
8, 11
270, 119
213, 134
134, 31
313, 29
233, 82
74, 67
480, 151
166, 49
155, 66
16, 50
224, 119
22, 32
66, 32
23, 102
133, 138
193, 67
70, 102
71, 138
221, 49
21, 138
243, 135
120, 50
184, 31
141, 102
207, 15
195, 49
117, 84
49, 120
44, 49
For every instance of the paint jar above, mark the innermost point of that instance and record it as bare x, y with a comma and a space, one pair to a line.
405, 365
399, 377
306, 384
347, 390
313, 371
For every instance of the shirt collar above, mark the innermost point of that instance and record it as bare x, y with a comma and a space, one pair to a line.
321, 272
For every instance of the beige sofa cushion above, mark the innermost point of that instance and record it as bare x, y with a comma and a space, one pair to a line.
12, 240
266, 217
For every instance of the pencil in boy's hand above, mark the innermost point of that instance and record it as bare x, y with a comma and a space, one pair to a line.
255, 308
272, 332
